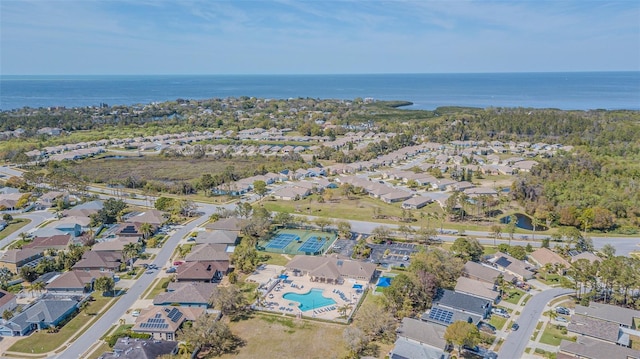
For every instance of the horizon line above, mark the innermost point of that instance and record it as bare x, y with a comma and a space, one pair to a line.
331, 74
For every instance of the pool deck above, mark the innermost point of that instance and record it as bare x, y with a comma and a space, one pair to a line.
301, 285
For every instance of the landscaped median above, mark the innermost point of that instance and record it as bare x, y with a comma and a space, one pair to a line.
43, 342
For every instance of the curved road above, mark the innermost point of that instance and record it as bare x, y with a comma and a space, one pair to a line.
37, 218
517, 341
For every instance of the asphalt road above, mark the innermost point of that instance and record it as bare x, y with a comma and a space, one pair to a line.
111, 317
517, 341
623, 245
37, 218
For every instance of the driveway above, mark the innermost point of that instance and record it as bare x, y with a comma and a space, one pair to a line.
517, 341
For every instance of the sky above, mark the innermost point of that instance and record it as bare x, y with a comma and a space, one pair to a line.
92, 37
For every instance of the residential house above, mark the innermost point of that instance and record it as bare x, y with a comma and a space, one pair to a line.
291, 193
186, 294
75, 281
598, 329
133, 230
587, 348
485, 273
7, 301
395, 196
154, 217
417, 339
84, 209
209, 252
57, 242
73, 225
202, 271
42, 315
50, 199
226, 224
592, 258
114, 245
449, 306
127, 348
10, 201
14, 259
163, 322
331, 269
218, 237
99, 260
477, 288
546, 257
416, 202
516, 267
611, 313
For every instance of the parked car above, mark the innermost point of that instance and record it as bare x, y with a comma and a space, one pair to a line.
515, 326
562, 319
500, 312
563, 310
171, 270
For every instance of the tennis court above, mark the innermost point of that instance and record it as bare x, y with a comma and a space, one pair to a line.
298, 241
281, 240
312, 245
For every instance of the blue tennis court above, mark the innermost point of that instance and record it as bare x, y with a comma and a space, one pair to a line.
282, 240
312, 245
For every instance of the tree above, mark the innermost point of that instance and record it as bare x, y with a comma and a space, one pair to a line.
244, 209
28, 273
260, 188
375, 322
461, 333
496, 231
130, 251
104, 284
511, 227
164, 203
5, 277
518, 252
7, 314
212, 336
469, 249
545, 242
146, 229
283, 218
322, 222
7, 217
245, 257
380, 234
344, 229
356, 340
38, 286
608, 250
230, 301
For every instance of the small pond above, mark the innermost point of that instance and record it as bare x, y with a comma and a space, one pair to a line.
523, 221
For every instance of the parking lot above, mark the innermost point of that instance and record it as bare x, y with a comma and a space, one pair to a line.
398, 254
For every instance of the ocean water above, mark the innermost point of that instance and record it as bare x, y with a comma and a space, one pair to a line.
568, 91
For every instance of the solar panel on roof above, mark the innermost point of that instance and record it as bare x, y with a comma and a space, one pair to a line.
441, 315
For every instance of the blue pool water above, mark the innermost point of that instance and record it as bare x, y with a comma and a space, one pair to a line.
310, 300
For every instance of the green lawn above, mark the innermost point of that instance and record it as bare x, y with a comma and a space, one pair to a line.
553, 336
498, 321
13, 226
158, 288
275, 259
513, 295
43, 342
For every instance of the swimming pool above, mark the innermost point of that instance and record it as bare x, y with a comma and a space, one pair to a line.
311, 300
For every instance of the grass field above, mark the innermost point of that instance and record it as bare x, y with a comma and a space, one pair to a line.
14, 226
43, 342
165, 169
553, 336
514, 295
498, 321
269, 336
158, 288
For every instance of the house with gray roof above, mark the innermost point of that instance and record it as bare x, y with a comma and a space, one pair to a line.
610, 313
477, 288
588, 348
227, 224
186, 294
449, 306
75, 281
217, 237
127, 348
417, 339
43, 314
516, 267
209, 252
485, 273
331, 269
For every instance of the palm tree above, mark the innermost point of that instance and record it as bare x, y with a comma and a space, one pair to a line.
552, 314
129, 251
37, 286
146, 229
